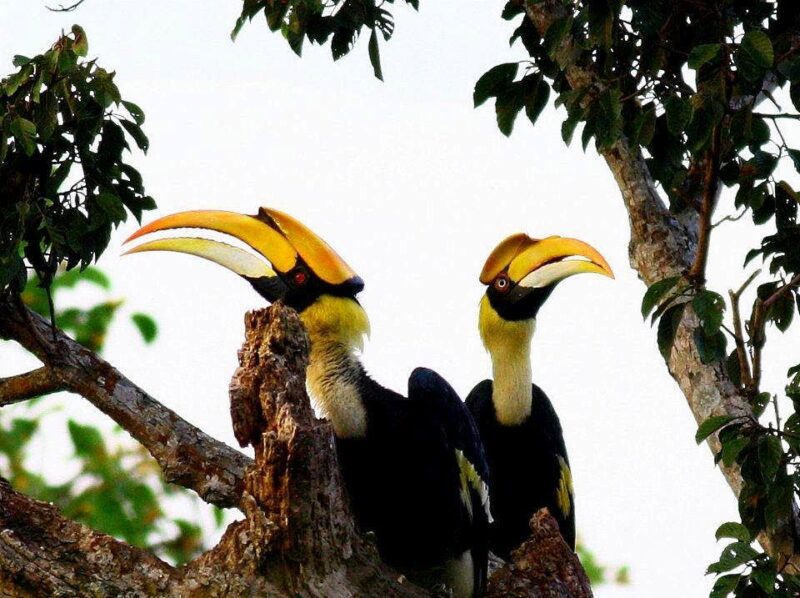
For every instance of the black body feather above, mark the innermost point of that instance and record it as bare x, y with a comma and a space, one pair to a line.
525, 468
404, 481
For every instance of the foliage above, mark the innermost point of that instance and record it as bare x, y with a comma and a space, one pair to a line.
118, 488
59, 110
681, 82
337, 21
598, 573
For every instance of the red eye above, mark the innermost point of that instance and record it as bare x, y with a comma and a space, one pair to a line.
300, 278
501, 283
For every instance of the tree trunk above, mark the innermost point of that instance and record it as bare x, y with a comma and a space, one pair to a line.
663, 245
298, 537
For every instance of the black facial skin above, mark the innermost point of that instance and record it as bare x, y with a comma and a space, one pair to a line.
300, 287
518, 302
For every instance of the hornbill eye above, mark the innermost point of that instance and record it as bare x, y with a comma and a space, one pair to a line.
502, 284
300, 277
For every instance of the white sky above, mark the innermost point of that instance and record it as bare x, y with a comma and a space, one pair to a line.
413, 188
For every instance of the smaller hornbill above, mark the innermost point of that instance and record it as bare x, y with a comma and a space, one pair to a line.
520, 430
414, 467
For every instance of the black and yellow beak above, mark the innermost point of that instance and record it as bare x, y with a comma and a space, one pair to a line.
294, 253
521, 271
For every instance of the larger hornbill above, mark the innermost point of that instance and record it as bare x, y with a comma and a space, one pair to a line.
520, 430
414, 467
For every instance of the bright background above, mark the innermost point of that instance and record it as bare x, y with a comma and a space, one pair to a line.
414, 188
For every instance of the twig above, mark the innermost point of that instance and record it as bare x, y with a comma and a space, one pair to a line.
741, 350
697, 273
29, 386
62, 8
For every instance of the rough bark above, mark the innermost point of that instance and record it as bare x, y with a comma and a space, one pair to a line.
664, 245
543, 566
298, 537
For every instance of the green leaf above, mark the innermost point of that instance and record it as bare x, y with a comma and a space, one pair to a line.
731, 449
24, 132
375, 55
679, 114
757, 47
667, 327
147, 326
724, 585
734, 530
702, 54
494, 81
536, 98
608, 120
656, 292
711, 425
134, 110
709, 307
507, 107
138, 135
80, 45
86, 439
644, 126
770, 453
710, 347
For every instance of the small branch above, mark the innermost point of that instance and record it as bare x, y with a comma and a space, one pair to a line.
187, 455
62, 8
697, 273
29, 386
738, 336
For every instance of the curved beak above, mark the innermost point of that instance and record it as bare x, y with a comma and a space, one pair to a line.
537, 263
277, 237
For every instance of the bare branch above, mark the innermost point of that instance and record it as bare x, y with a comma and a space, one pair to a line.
697, 273
30, 385
738, 336
187, 455
68, 8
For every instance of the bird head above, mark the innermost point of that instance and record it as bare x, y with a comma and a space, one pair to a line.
521, 272
298, 266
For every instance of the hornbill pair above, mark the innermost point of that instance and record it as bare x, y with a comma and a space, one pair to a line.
415, 467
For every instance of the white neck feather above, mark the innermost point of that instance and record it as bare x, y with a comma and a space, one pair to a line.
509, 344
336, 327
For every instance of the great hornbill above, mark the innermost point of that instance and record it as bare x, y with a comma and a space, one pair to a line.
414, 467
520, 430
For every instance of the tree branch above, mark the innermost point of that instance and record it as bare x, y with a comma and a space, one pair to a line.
69, 8
186, 454
30, 385
697, 273
738, 336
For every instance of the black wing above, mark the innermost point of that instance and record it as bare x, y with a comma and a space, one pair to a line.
439, 401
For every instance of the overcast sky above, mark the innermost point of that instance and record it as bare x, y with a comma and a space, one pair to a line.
413, 187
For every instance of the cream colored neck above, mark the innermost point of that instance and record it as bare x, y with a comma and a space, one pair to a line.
509, 345
511, 389
336, 327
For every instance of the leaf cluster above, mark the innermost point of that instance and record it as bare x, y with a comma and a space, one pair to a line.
339, 22
64, 181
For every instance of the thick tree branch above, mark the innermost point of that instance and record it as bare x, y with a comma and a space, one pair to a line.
30, 385
186, 454
44, 554
661, 246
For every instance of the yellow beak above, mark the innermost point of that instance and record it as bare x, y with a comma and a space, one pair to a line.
279, 238
540, 262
